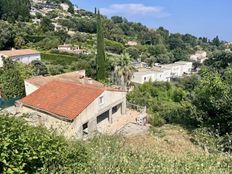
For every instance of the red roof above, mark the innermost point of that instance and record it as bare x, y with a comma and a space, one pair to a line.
62, 99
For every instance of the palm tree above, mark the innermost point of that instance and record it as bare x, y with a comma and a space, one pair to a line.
124, 70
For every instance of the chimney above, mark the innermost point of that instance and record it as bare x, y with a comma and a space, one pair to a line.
81, 73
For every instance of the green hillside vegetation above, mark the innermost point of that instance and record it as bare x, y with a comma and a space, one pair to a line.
27, 149
199, 104
13, 10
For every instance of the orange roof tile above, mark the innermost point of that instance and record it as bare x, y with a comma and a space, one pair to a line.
71, 76
13, 53
62, 99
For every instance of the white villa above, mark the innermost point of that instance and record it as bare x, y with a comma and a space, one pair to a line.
72, 103
24, 55
162, 72
71, 49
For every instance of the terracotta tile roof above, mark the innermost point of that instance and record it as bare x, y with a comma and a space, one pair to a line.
13, 53
62, 99
71, 76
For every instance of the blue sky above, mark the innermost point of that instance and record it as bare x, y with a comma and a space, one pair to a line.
198, 17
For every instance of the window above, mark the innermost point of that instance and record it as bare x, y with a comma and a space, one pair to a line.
101, 100
145, 78
85, 128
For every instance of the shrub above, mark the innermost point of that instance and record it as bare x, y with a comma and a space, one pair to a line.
27, 149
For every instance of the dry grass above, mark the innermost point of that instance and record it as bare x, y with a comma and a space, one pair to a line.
168, 139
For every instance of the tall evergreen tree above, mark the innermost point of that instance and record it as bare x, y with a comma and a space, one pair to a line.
100, 58
11, 83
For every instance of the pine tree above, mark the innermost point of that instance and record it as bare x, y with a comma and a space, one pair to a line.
100, 58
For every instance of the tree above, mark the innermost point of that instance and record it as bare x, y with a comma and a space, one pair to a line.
216, 41
39, 68
124, 69
19, 42
12, 10
100, 58
11, 82
46, 24
7, 35
133, 52
219, 60
117, 19
213, 98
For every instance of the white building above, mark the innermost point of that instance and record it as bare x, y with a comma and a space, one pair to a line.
142, 77
24, 55
58, 27
64, 6
132, 43
186, 67
72, 103
199, 56
162, 73
152, 74
176, 70
75, 49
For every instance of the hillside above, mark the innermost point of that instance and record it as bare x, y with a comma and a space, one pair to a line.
45, 152
44, 25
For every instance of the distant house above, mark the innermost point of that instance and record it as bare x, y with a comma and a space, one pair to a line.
24, 55
186, 67
132, 43
58, 27
142, 77
161, 72
64, 6
72, 103
199, 56
151, 74
75, 49
36, 21
176, 69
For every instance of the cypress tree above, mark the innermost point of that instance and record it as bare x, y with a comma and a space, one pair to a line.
100, 58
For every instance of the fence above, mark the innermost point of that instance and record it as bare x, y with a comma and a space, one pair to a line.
7, 103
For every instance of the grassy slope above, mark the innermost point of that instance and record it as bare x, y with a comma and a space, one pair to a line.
105, 154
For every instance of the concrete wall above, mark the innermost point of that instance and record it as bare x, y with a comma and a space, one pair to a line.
29, 88
142, 78
26, 58
95, 109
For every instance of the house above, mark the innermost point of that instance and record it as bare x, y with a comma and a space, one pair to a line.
64, 6
24, 55
142, 77
186, 67
138, 64
75, 49
58, 27
132, 43
151, 74
176, 69
79, 77
199, 56
72, 103
36, 21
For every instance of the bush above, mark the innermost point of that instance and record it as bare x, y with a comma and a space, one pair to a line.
57, 58
26, 149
